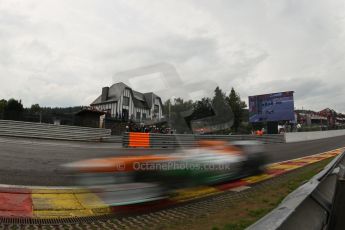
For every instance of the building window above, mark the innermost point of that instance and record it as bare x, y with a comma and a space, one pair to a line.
138, 116
144, 116
125, 114
125, 101
156, 109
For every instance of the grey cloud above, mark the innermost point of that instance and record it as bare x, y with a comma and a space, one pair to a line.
62, 53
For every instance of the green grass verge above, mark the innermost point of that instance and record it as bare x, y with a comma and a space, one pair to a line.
263, 201
256, 204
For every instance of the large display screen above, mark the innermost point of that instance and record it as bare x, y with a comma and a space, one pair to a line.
272, 107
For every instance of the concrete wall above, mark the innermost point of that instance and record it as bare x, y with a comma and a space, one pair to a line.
307, 136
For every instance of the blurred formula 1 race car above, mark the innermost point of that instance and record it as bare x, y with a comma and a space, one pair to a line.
212, 162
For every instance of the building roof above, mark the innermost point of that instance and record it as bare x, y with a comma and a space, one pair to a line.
138, 95
141, 100
150, 98
114, 93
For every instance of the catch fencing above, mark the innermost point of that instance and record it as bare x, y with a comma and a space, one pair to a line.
50, 131
155, 140
317, 204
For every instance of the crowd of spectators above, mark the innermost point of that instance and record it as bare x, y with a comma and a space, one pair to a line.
148, 129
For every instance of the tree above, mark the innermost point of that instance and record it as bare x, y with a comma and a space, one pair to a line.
211, 115
3, 104
223, 119
221, 107
35, 108
13, 110
165, 108
179, 109
201, 109
237, 107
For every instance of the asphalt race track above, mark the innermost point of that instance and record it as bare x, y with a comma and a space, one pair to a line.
37, 162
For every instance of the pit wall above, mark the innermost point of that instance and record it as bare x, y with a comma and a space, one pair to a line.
308, 136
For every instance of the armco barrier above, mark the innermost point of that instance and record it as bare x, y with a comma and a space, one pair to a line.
318, 204
49, 131
308, 136
154, 140
112, 139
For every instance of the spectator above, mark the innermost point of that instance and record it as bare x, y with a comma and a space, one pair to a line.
260, 132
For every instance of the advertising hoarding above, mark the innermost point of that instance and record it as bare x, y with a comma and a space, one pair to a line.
272, 107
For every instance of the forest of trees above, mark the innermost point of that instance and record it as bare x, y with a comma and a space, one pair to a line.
220, 109
14, 110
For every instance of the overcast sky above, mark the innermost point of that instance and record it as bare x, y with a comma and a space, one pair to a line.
61, 53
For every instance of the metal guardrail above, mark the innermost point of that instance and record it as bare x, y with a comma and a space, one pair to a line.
49, 131
317, 204
112, 139
187, 140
